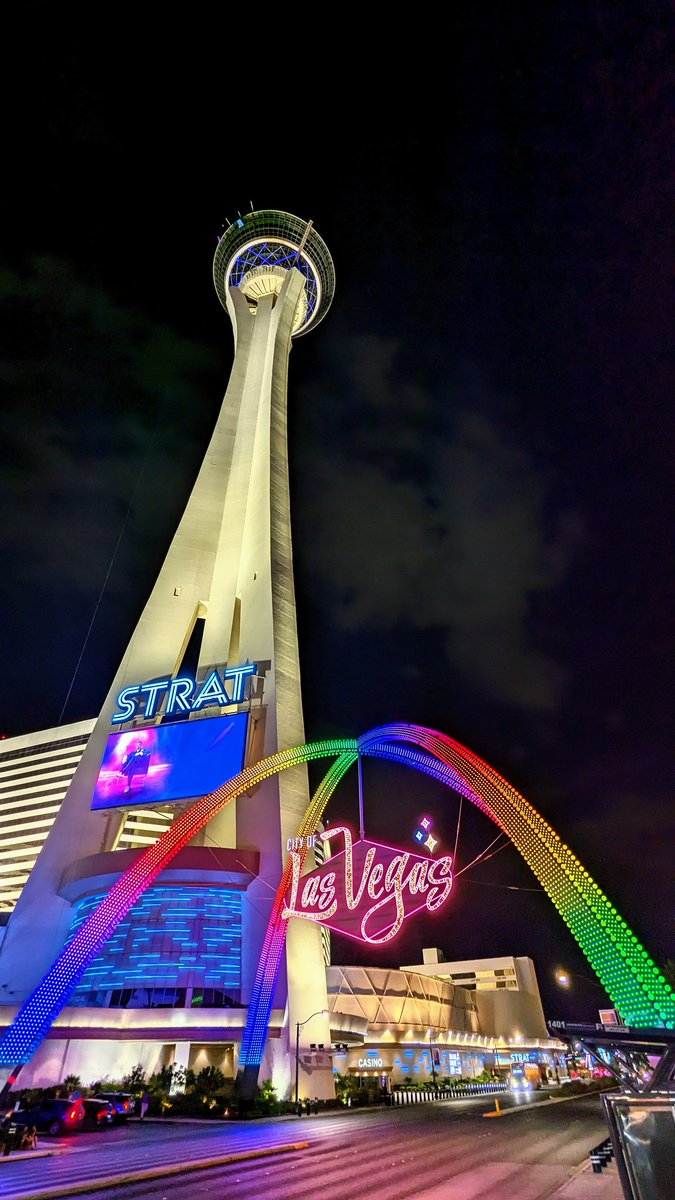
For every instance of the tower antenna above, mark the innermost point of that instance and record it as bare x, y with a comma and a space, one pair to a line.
305, 235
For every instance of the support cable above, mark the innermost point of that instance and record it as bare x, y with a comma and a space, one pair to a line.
110, 567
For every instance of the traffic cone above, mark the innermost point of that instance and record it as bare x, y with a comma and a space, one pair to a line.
498, 1112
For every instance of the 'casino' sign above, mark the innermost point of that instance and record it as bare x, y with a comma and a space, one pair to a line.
367, 890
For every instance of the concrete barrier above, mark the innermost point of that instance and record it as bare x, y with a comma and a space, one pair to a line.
423, 1095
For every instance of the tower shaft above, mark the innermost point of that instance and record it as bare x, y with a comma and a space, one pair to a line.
229, 568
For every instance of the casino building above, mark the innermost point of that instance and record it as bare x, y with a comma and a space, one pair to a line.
208, 685
423, 1027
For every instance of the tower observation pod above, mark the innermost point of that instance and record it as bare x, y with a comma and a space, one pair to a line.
213, 663
255, 255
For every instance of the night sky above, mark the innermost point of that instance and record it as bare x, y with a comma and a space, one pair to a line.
481, 430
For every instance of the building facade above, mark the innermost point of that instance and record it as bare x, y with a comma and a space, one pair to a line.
166, 987
419, 1026
35, 773
505, 991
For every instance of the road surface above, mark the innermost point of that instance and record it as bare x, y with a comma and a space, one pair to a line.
440, 1151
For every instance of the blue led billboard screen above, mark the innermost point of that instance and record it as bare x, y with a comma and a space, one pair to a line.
170, 762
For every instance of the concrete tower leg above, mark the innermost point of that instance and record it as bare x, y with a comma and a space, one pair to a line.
230, 565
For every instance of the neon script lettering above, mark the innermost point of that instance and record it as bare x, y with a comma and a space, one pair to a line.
367, 890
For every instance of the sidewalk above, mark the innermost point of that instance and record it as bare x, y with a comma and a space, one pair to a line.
586, 1185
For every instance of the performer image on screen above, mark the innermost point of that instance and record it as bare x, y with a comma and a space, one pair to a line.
135, 763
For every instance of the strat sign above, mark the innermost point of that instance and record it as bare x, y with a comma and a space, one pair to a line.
183, 694
367, 890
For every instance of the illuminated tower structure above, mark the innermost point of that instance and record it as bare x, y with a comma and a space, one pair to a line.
221, 614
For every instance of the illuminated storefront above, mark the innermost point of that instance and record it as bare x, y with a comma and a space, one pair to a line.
423, 1029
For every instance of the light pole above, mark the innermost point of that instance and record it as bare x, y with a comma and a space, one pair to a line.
298, 1026
433, 1064
564, 978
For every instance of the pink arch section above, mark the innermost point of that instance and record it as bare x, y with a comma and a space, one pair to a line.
631, 979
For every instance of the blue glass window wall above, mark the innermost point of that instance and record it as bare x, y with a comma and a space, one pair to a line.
177, 946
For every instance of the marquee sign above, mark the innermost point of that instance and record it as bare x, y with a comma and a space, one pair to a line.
367, 890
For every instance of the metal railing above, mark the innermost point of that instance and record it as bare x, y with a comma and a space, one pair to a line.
424, 1095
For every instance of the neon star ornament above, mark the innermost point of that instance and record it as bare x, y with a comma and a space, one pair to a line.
424, 836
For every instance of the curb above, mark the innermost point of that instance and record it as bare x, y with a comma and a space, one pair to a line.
54, 1193
21, 1155
518, 1108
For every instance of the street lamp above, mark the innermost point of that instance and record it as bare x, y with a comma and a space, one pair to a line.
564, 978
298, 1026
433, 1064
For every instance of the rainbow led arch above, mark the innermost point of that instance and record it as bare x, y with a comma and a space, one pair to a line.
632, 981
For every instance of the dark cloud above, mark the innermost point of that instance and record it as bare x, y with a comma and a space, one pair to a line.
94, 409
104, 424
627, 843
444, 531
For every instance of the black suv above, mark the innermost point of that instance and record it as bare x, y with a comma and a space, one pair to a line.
51, 1116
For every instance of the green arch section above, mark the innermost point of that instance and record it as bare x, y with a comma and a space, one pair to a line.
634, 983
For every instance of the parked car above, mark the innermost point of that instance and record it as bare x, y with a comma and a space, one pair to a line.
600, 1073
52, 1116
98, 1114
122, 1102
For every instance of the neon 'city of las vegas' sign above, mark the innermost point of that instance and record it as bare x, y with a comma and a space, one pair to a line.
367, 890
183, 694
